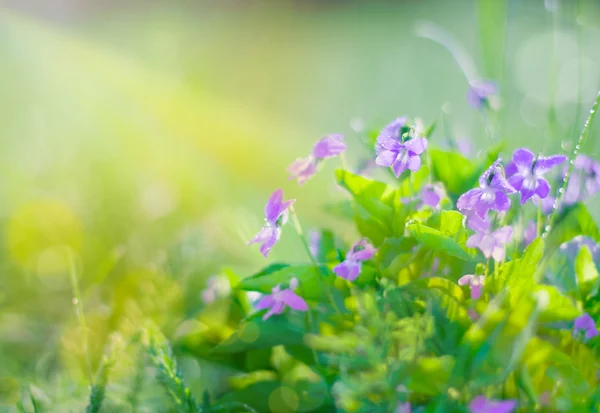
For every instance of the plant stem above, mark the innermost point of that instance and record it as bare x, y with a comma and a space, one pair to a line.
539, 222
563, 189
79, 312
300, 233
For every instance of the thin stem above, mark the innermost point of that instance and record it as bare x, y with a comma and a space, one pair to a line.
300, 233
563, 189
539, 222
79, 312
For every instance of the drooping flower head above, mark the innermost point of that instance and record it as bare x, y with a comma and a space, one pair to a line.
482, 405
475, 283
491, 195
279, 299
491, 243
586, 325
329, 146
350, 268
399, 146
525, 173
276, 215
480, 92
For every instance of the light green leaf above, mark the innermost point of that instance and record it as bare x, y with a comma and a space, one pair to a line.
436, 241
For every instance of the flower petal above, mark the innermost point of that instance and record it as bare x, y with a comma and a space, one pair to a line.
268, 243
348, 270
503, 235
266, 302
501, 202
416, 145
273, 206
329, 146
401, 163
544, 164
465, 279
386, 158
293, 300
523, 158
414, 163
543, 188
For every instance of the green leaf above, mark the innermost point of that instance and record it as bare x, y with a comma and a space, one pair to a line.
586, 271
310, 279
456, 172
394, 255
377, 198
257, 333
429, 375
434, 240
342, 209
559, 308
572, 221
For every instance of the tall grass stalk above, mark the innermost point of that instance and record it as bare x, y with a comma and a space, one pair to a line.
582, 137
99, 388
168, 372
138, 381
79, 312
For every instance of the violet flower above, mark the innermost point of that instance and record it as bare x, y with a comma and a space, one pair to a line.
276, 215
432, 194
491, 243
475, 283
491, 195
329, 146
571, 248
585, 324
482, 405
480, 92
525, 173
279, 299
403, 408
350, 268
399, 151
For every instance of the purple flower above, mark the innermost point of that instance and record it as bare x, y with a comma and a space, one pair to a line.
525, 173
584, 181
571, 248
279, 298
585, 324
482, 405
432, 194
491, 194
329, 146
403, 407
393, 150
530, 233
475, 283
480, 92
491, 243
350, 268
276, 214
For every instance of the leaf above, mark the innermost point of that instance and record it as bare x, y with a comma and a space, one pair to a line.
559, 308
456, 172
310, 279
586, 271
377, 198
395, 254
257, 333
572, 221
436, 241
429, 375
342, 209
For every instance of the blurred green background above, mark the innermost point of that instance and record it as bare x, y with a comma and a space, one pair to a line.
144, 138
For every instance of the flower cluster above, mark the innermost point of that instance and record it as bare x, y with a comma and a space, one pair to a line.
486, 224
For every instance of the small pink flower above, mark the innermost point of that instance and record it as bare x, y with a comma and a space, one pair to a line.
279, 299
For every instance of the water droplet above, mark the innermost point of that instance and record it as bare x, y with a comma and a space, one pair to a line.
572, 162
561, 190
547, 228
577, 147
